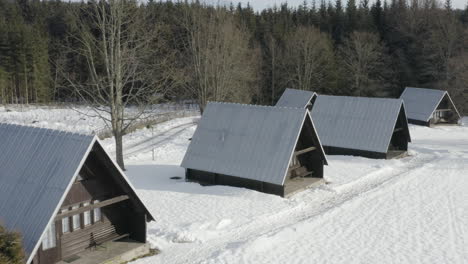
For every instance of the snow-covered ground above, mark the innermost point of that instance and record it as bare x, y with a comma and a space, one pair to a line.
410, 210
79, 119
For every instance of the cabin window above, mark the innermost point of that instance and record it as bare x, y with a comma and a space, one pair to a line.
86, 216
49, 238
97, 213
65, 222
76, 219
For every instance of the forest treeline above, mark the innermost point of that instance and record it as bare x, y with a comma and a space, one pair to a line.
190, 50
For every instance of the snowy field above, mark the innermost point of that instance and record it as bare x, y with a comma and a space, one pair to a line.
410, 210
80, 119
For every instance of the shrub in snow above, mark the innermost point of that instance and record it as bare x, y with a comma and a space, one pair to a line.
11, 250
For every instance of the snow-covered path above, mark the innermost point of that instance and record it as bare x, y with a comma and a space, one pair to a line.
412, 210
418, 218
165, 139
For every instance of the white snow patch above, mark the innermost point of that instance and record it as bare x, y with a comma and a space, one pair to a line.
77, 118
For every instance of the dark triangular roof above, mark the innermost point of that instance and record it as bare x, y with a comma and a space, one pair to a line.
248, 141
295, 98
37, 169
421, 103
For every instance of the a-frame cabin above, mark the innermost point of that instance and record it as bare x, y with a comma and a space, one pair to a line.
269, 149
66, 197
429, 107
360, 126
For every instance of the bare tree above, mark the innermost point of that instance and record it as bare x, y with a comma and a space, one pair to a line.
116, 45
458, 87
363, 62
446, 42
273, 49
309, 60
221, 64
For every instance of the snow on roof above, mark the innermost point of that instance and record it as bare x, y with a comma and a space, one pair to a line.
37, 168
356, 122
295, 98
248, 141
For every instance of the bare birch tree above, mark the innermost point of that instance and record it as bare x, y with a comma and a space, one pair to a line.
309, 60
273, 49
221, 63
446, 40
363, 62
458, 87
115, 47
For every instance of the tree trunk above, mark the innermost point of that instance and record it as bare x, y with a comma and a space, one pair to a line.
119, 149
201, 105
26, 97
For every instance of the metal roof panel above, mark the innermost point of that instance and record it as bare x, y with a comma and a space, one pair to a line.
355, 122
295, 98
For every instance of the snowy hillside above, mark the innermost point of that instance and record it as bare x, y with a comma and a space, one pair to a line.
410, 210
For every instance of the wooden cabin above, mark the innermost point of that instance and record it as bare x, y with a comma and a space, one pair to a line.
297, 98
429, 107
360, 126
269, 149
68, 198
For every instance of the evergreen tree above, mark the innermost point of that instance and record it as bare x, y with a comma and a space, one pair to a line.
365, 21
338, 22
351, 16
448, 5
378, 17
11, 251
464, 16
423, 41
324, 16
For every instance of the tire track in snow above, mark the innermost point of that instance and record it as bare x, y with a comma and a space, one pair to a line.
406, 182
456, 233
149, 143
271, 224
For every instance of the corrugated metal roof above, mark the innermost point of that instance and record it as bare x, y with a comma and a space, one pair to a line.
36, 167
420, 103
295, 98
253, 142
356, 122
